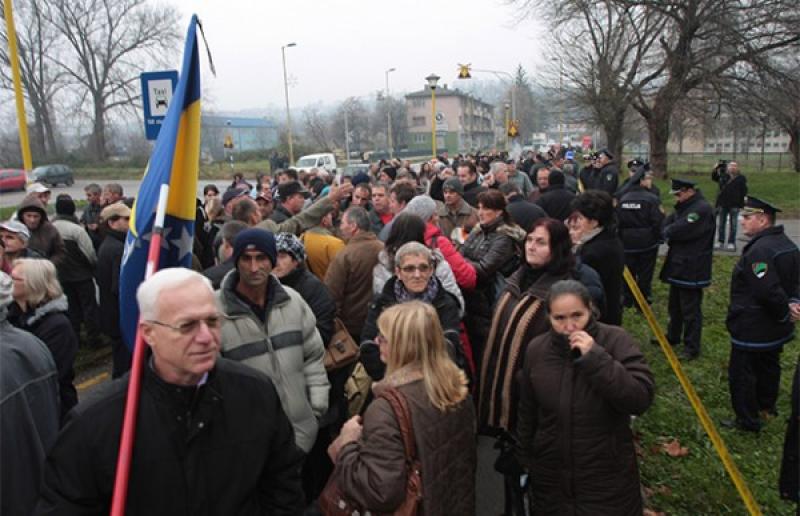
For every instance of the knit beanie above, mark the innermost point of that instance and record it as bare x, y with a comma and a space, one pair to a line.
359, 178
290, 244
255, 239
422, 206
452, 183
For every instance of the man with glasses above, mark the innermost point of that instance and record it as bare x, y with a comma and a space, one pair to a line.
213, 437
764, 307
271, 328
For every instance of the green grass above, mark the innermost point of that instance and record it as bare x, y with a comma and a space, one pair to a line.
780, 188
698, 483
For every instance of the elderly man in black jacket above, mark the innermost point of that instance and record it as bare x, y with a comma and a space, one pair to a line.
212, 439
689, 232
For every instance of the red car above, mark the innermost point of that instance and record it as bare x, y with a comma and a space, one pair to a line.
12, 179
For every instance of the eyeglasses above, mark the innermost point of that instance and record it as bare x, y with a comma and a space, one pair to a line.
424, 268
191, 327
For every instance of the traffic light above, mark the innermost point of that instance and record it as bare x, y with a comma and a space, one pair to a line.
463, 71
228, 142
513, 128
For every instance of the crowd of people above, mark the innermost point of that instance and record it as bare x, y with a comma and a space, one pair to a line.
482, 298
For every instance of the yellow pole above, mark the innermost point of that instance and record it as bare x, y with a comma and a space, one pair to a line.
22, 121
508, 121
433, 120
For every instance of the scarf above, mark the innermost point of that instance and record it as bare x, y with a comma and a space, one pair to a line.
402, 294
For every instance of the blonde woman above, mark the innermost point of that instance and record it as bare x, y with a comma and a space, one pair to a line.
40, 307
370, 458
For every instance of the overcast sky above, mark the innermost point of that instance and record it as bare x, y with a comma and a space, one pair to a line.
345, 46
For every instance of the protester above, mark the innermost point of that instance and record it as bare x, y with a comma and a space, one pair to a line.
212, 435
556, 198
454, 212
381, 214
230, 230
15, 236
593, 231
371, 466
114, 220
523, 212
258, 309
44, 238
90, 218
112, 193
580, 383
29, 410
40, 307
321, 245
467, 173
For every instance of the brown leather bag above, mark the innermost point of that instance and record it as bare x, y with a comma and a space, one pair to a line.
333, 503
342, 350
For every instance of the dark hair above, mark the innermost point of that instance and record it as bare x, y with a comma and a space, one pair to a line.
569, 287
494, 200
244, 210
358, 216
509, 188
473, 170
562, 261
363, 186
596, 205
406, 227
231, 229
404, 192
292, 173
210, 188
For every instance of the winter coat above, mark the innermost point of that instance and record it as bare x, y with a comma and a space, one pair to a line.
689, 232
80, 257
574, 423
316, 295
449, 220
224, 447
763, 283
50, 324
29, 415
604, 254
464, 272
321, 248
524, 213
308, 218
732, 193
44, 239
285, 346
471, 191
640, 220
384, 270
447, 308
555, 201
218, 272
349, 278
522, 181
280, 214
109, 260
605, 179
371, 471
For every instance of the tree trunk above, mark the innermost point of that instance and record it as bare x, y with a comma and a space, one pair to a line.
658, 132
615, 135
98, 145
49, 131
794, 147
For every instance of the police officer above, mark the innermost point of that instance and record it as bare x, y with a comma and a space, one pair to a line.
689, 232
603, 175
640, 222
765, 304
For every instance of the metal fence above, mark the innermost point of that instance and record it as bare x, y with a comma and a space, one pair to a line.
748, 162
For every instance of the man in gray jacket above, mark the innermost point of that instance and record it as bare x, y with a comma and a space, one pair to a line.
268, 326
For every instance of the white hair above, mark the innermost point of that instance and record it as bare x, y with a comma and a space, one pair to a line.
495, 166
149, 291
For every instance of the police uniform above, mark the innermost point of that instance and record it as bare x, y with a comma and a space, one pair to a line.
605, 179
763, 284
689, 232
640, 223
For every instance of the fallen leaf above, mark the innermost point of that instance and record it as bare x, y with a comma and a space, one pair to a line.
651, 512
674, 449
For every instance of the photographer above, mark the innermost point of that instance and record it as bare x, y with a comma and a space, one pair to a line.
730, 199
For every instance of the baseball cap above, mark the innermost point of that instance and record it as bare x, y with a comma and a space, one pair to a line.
15, 226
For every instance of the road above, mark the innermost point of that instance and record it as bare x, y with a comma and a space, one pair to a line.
130, 188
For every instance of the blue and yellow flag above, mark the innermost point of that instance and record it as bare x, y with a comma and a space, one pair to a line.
175, 161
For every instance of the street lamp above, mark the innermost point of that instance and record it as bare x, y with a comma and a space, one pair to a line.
389, 115
286, 90
464, 73
432, 80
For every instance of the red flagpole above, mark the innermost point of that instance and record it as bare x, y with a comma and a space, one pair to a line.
135, 380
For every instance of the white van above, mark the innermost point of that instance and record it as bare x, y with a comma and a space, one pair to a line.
326, 161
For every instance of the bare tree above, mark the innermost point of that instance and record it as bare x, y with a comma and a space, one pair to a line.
40, 45
318, 128
110, 43
702, 40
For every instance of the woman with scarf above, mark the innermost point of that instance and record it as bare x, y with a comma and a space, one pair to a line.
592, 226
581, 382
413, 280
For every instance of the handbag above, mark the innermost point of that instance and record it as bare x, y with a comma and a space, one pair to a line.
333, 503
342, 350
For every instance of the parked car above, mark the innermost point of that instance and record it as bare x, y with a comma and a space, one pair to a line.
326, 161
12, 179
52, 175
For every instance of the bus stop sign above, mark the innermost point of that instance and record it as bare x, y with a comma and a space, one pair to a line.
157, 88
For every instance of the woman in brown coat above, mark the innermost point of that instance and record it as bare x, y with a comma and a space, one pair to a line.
370, 459
581, 382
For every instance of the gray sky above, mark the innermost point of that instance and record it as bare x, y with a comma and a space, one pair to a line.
345, 46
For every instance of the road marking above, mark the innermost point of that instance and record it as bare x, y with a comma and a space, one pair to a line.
93, 381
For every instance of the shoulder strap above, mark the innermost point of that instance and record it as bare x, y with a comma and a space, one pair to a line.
400, 407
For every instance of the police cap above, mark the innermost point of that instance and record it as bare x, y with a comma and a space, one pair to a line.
680, 184
754, 205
